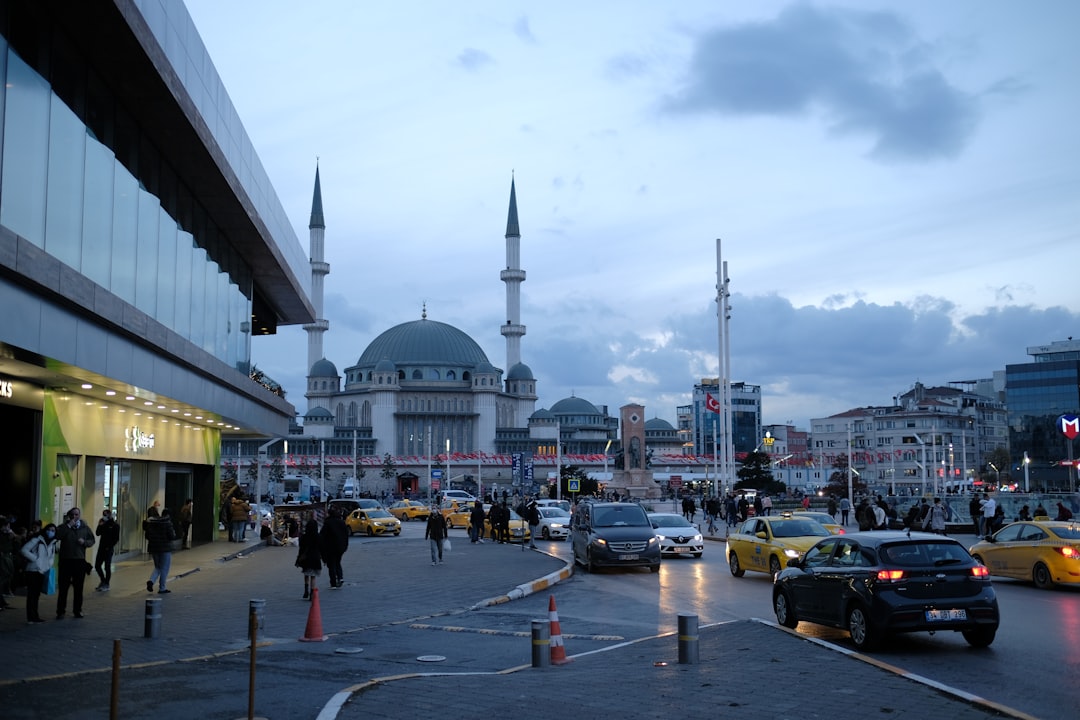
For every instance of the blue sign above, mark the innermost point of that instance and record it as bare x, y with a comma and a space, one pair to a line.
436, 474
574, 484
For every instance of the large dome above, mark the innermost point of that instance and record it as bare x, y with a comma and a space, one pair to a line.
574, 406
423, 342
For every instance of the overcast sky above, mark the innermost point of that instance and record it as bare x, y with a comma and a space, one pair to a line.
896, 184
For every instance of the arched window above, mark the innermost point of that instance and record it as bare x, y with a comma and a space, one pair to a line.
417, 375
451, 375
369, 376
433, 374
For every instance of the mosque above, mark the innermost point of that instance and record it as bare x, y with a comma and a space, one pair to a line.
425, 389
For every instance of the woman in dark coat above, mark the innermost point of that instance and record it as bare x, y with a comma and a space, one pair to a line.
333, 542
309, 558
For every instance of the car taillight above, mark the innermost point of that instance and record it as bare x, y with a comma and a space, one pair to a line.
841, 531
890, 575
980, 571
1069, 552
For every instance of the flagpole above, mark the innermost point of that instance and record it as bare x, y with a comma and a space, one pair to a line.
720, 302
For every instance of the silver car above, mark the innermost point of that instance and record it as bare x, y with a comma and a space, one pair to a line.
554, 523
676, 534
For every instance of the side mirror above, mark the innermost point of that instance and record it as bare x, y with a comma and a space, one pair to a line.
761, 534
794, 563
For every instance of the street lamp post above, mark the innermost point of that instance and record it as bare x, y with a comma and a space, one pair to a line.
1027, 472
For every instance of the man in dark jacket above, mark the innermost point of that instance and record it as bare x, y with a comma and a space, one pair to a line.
160, 535
476, 523
532, 516
109, 532
436, 533
74, 536
333, 542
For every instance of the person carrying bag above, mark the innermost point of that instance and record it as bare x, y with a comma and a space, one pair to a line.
39, 552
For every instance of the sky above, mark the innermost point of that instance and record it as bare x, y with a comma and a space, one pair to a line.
895, 185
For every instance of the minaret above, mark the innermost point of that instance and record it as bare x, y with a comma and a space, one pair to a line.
513, 276
319, 270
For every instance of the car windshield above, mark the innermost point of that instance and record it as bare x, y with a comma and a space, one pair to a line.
924, 554
669, 521
1072, 532
798, 528
378, 514
629, 516
552, 512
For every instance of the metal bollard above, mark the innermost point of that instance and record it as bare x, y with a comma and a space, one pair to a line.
152, 625
541, 643
257, 608
688, 639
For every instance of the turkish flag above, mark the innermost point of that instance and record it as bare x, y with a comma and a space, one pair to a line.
712, 404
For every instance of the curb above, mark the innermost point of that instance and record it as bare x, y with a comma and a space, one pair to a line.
529, 588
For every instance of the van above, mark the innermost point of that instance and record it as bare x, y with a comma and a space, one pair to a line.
613, 534
348, 488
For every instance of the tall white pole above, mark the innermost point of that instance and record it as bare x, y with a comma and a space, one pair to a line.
716, 464
446, 485
729, 425
322, 470
356, 476
850, 489
558, 460
429, 464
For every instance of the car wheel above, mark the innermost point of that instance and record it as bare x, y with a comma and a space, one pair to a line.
351, 532
774, 566
785, 613
733, 565
545, 533
1041, 576
654, 568
980, 637
861, 628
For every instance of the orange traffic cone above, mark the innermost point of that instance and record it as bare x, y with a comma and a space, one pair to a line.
558, 652
313, 632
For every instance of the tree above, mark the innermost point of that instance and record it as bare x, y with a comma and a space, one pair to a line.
586, 485
253, 472
755, 472
277, 470
389, 469
1000, 459
838, 479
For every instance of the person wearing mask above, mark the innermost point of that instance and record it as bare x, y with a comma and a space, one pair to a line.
160, 536
435, 533
74, 537
309, 558
39, 552
109, 532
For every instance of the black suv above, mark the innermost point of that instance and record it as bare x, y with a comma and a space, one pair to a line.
613, 534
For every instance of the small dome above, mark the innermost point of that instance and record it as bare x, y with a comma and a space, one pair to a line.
542, 414
318, 413
520, 371
323, 369
658, 424
574, 406
385, 365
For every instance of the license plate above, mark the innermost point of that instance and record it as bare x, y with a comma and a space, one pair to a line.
938, 615
631, 556
682, 549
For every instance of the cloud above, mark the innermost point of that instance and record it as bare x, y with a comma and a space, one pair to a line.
864, 73
473, 59
523, 31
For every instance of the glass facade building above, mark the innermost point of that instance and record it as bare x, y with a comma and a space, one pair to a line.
142, 248
1037, 394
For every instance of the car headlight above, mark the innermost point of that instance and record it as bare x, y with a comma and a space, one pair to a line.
697, 538
653, 540
600, 541
661, 537
556, 525
791, 553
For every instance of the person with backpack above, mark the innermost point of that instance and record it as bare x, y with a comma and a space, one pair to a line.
935, 518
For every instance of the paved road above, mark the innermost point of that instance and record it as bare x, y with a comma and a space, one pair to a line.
395, 609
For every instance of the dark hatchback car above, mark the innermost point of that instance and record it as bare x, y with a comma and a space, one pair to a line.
613, 535
874, 584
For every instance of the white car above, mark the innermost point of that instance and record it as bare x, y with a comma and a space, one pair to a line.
554, 523
676, 534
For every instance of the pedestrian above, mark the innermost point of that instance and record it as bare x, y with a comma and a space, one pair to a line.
845, 510
832, 508
880, 517
759, 506
333, 542
476, 523
39, 552
185, 523
1064, 513
160, 536
1040, 512
435, 533
731, 511
1025, 513
806, 502
975, 510
8, 542
766, 505
308, 557
989, 508
913, 519
109, 532
239, 511
532, 516
744, 508
935, 518
74, 537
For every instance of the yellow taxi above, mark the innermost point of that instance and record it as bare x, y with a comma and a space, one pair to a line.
1045, 552
373, 522
827, 521
458, 515
765, 544
406, 510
